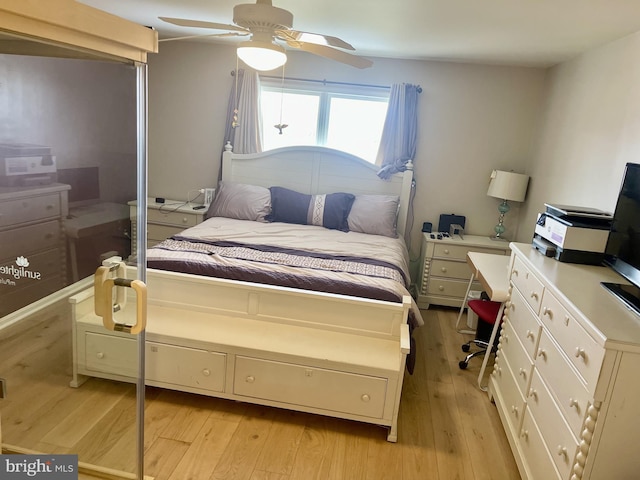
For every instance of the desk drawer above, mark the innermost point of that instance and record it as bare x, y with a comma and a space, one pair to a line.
157, 233
310, 386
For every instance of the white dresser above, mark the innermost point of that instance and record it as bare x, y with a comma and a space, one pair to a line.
32, 244
565, 381
164, 220
444, 274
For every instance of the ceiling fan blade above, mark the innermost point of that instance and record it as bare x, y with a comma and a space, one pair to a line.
220, 35
183, 22
316, 38
332, 54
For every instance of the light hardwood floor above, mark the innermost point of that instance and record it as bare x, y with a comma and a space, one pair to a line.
448, 429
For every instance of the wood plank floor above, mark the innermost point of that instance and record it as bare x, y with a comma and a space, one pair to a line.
448, 429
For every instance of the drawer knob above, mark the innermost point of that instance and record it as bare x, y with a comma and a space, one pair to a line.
49, 207
443, 270
185, 219
100, 355
533, 393
250, 379
566, 320
446, 251
441, 288
580, 353
524, 434
574, 403
534, 295
562, 451
547, 311
530, 335
206, 372
523, 373
514, 410
514, 272
365, 398
542, 353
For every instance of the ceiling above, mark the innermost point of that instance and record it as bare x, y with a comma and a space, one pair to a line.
513, 32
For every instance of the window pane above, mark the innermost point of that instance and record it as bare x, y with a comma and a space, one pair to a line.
355, 126
299, 112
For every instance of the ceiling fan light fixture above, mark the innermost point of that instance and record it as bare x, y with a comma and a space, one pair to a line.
262, 56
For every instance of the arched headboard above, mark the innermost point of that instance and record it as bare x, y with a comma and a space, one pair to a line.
317, 170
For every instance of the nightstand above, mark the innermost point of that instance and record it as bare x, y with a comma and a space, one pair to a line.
164, 220
444, 273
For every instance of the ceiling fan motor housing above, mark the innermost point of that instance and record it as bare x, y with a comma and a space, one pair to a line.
258, 16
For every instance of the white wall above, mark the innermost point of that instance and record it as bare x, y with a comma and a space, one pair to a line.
472, 119
590, 129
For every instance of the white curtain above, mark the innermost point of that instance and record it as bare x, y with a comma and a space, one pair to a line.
398, 142
244, 128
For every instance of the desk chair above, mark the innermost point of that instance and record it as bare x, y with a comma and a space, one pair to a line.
487, 312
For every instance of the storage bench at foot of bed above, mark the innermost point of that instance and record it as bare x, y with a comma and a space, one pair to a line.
347, 374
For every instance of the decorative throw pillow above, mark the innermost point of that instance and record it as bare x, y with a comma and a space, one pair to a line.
329, 211
375, 214
240, 201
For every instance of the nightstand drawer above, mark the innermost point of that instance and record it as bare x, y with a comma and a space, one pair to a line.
168, 217
157, 233
22, 241
444, 286
451, 269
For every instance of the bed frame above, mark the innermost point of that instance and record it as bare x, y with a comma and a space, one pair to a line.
314, 352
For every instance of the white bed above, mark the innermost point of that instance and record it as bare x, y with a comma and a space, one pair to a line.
325, 353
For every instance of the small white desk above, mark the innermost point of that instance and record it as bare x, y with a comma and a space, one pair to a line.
492, 271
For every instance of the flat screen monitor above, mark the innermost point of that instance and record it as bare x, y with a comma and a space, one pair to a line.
622, 253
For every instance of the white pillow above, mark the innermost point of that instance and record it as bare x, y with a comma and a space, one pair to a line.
240, 201
374, 214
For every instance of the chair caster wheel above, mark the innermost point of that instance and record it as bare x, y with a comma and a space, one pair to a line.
462, 364
466, 347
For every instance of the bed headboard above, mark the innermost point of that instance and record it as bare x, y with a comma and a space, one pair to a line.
317, 170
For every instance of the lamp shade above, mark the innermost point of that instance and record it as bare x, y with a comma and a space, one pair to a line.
508, 185
261, 55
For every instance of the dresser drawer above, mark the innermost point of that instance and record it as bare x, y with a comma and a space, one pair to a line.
310, 386
519, 361
525, 324
581, 349
538, 462
448, 287
29, 209
451, 269
564, 382
168, 217
111, 354
512, 398
22, 241
525, 281
182, 366
560, 441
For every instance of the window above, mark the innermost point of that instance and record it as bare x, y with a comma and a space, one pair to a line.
344, 117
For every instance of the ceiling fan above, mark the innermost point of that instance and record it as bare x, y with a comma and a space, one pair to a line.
268, 28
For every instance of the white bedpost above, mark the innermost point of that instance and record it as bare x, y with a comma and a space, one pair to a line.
226, 161
405, 198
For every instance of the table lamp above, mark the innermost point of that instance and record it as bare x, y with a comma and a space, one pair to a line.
506, 186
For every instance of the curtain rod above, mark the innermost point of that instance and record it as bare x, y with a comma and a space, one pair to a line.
325, 82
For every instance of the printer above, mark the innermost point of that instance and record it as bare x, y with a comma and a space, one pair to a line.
572, 234
25, 165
